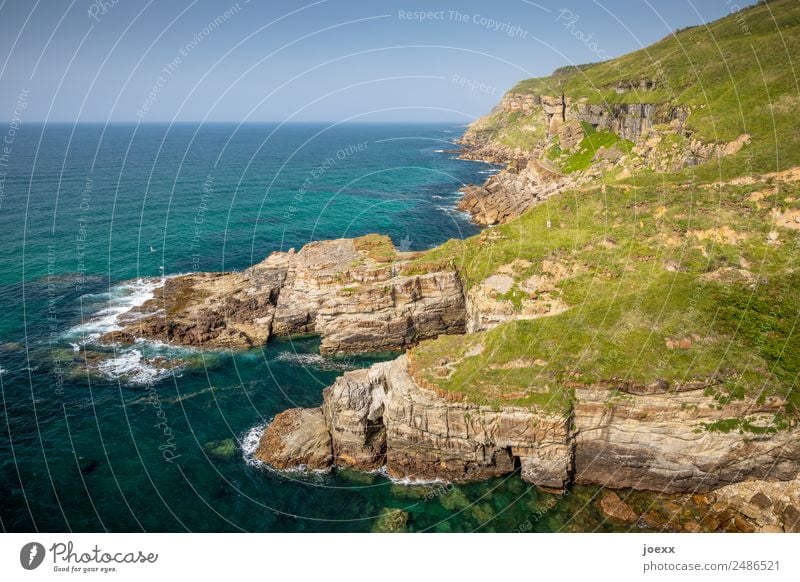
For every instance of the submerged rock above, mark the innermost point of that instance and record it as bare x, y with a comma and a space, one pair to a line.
615, 509
224, 449
391, 521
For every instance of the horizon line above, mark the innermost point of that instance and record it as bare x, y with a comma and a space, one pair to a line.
162, 122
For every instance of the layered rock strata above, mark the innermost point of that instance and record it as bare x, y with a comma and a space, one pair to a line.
381, 417
352, 292
511, 192
661, 142
658, 437
679, 441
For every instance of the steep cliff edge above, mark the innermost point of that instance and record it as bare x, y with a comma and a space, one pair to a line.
381, 417
611, 341
562, 144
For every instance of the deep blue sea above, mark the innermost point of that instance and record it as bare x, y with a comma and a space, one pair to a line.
91, 215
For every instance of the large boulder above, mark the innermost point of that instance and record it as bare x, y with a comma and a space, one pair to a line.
297, 437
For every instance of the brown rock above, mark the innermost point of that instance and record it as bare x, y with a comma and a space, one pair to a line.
761, 501
117, 337
352, 292
743, 525
658, 442
297, 437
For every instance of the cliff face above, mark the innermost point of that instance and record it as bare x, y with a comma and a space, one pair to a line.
647, 438
358, 304
559, 133
628, 120
351, 292
678, 441
513, 191
382, 418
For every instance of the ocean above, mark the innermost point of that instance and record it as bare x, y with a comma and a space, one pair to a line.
92, 216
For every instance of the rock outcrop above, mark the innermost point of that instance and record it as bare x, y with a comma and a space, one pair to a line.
299, 438
658, 133
772, 506
382, 418
352, 292
512, 192
536, 296
628, 120
655, 438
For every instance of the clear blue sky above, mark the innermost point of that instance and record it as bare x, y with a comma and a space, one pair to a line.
263, 60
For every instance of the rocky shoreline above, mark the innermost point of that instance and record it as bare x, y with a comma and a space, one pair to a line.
355, 293
664, 439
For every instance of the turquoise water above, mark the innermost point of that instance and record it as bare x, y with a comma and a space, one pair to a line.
90, 214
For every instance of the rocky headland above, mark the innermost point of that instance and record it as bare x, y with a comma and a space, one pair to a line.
357, 294
570, 142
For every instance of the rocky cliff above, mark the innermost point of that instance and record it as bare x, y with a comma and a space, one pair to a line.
631, 334
381, 417
560, 143
668, 439
679, 439
352, 292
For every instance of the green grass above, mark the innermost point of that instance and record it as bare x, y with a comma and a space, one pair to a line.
377, 247
668, 280
626, 307
513, 130
515, 296
589, 146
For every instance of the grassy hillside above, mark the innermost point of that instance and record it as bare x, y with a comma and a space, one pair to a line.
675, 284
738, 75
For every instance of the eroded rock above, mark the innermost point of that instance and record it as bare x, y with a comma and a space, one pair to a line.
297, 437
353, 293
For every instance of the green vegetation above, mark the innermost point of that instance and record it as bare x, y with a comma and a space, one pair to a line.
656, 266
590, 145
515, 296
669, 277
492, 377
377, 247
743, 425
514, 130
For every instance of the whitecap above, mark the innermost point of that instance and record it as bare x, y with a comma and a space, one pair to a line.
121, 299
249, 443
132, 367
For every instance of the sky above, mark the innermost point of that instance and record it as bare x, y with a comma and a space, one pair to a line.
325, 60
